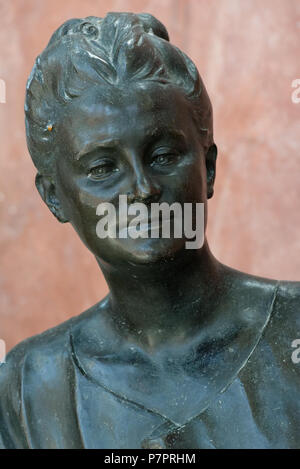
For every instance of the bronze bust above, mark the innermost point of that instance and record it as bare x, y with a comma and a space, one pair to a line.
184, 352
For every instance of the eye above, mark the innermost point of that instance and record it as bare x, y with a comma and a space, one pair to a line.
164, 159
103, 170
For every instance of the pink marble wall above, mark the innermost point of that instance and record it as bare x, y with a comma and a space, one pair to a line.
248, 54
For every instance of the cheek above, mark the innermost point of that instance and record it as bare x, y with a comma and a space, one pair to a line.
84, 217
194, 182
77, 204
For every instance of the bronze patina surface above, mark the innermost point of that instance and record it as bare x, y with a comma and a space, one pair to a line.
184, 352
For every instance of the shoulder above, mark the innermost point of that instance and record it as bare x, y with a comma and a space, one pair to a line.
42, 347
37, 366
279, 345
285, 319
280, 298
253, 297
286, 293
48, 347
281, 335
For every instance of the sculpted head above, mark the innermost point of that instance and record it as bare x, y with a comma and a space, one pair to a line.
113, 108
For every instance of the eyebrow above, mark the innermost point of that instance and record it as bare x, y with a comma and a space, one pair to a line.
154, 134
91, 146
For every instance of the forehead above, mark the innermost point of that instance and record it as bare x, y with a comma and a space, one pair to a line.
124, 115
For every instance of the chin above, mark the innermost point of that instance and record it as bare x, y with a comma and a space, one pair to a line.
152, 251
138, 251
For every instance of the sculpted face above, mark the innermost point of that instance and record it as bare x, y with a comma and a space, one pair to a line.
143, 144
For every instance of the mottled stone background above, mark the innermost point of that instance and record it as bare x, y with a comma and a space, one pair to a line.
248, 54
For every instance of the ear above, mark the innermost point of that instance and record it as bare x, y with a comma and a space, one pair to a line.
210, 160
46, 188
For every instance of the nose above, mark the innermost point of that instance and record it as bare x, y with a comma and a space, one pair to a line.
143, 187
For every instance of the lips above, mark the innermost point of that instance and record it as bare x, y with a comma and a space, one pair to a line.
142, 226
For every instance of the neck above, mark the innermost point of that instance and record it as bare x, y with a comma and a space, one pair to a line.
153, 304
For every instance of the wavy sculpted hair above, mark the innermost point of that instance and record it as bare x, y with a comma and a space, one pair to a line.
111, 51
